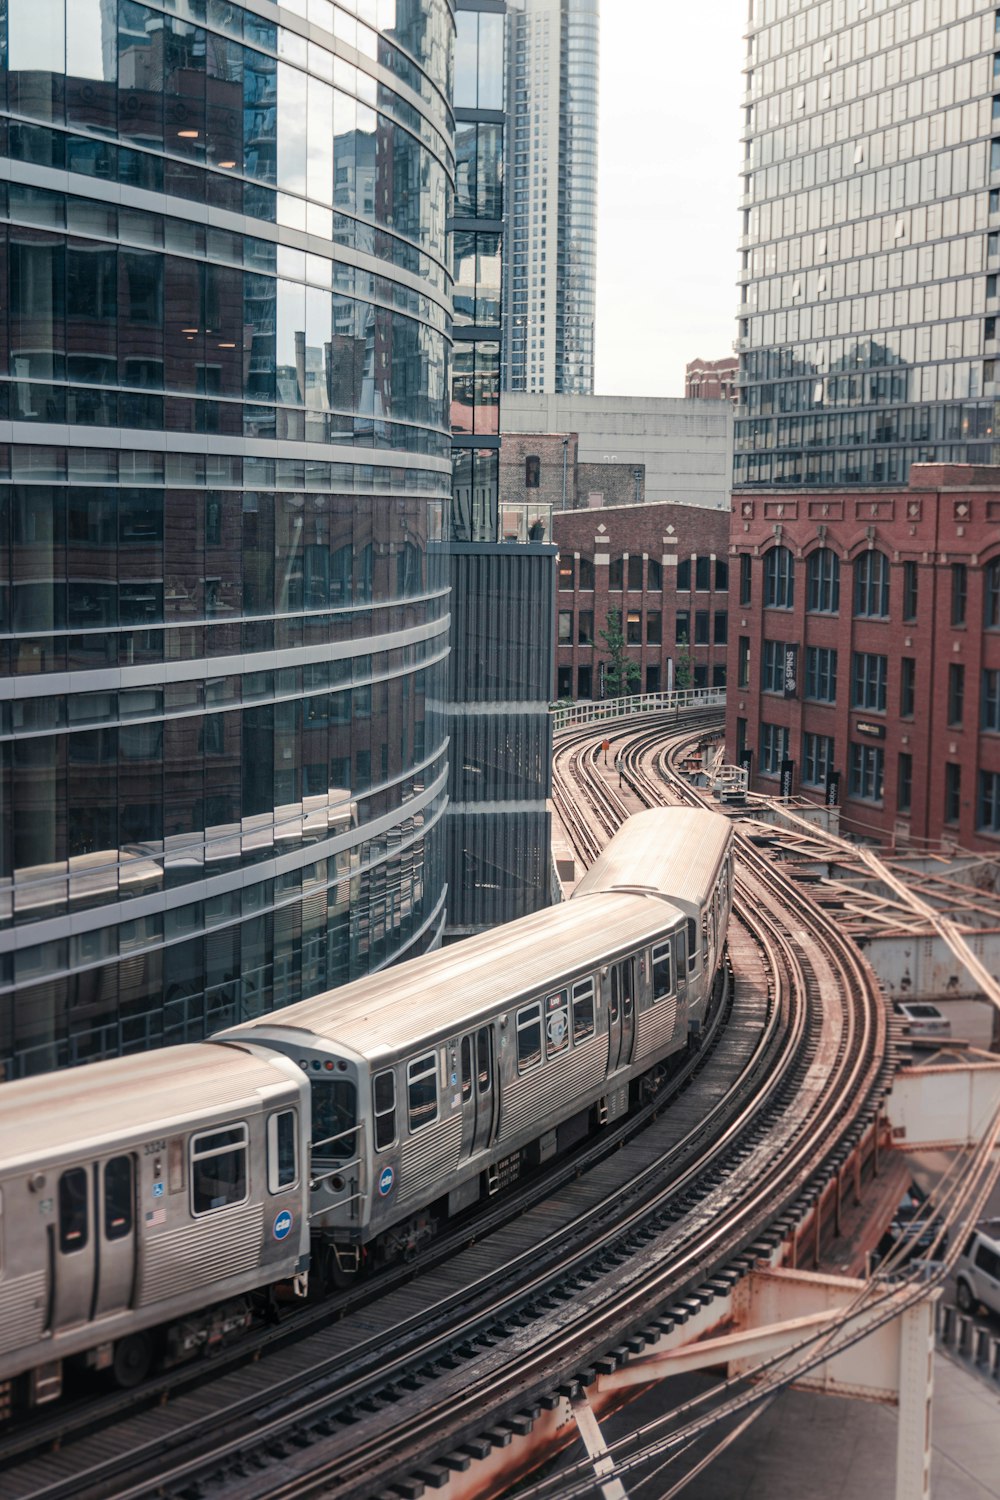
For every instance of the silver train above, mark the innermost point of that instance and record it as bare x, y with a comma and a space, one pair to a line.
152, 1205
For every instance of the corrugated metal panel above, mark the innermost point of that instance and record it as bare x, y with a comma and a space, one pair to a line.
199, 1254
499, 865
548, 1089
655, 1028
674, 850
501, 634
22, 1311
430, 1156
500, 756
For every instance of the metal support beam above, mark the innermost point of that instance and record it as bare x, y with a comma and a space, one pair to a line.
944, 1107
916, 1390
597, 1449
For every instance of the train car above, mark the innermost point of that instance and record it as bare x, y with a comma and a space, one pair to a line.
436, 1082
685, 856
137, 1193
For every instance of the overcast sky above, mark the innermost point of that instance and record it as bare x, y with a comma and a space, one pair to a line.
670, 91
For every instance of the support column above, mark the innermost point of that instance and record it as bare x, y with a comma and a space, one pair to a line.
916, 1389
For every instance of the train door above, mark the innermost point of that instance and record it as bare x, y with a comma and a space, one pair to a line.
621, 1014
93, 1242
478, 1091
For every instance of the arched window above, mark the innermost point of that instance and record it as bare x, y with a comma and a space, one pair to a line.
779, 578
871, 585
823, 582
991, 595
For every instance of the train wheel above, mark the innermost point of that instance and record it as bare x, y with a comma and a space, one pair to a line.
133, 1360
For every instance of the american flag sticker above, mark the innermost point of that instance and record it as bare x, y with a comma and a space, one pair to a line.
156, 1216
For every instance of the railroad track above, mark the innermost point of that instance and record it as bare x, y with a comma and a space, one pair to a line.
446, 1366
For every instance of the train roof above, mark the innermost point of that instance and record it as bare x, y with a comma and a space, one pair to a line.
673, 851
150, 1094
432, 997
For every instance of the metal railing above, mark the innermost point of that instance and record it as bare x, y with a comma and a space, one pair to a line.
639, 703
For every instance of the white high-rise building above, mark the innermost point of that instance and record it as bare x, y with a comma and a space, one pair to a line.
551, 196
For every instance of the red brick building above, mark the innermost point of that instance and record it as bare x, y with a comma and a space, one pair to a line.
712, 379
864, 648
664, 569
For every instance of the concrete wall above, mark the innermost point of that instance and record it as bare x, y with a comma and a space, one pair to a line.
685, 446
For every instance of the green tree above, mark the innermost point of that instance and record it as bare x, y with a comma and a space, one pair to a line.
621, 676
683, 668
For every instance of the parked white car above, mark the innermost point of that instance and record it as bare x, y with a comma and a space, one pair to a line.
978, 1270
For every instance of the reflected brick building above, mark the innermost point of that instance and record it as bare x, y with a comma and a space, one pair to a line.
864, 652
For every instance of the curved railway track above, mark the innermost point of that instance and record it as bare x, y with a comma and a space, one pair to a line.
447, 1365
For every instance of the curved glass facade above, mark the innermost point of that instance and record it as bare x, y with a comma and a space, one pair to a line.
224, 483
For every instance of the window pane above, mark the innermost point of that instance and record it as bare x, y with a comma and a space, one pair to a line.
73, 1210
118, 1204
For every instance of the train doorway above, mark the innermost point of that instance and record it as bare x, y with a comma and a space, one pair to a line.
621, 1023
478, 1093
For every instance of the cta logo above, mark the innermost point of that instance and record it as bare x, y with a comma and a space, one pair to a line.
386, 1179
283, 1225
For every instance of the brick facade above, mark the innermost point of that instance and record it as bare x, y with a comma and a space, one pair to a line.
652, 548
532, 469
908, 716
712, 379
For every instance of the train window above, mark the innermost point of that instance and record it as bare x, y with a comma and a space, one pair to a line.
175, 1164
282, 1151
466, 1068
334, 1116
118, 1198
384, 1100
421, 1079
483, 1065
662, 984
692, 943
556, 1024
529, 1037
72, 1210
583, 1011
219, 1169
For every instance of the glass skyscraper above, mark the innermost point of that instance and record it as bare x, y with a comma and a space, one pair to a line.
225, 476
870, 240
550, 269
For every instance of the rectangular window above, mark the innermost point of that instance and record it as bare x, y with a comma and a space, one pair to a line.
532, 471
773, 748
721, 575
956, 692
654, 576
682, 627
907, 685
529, 1037
871, 585
282, 1151
868, 681
701, 627
556, 1023
662, 977
909, 591
585, 627
817, 759
587, 574
959, 592
583, 1010
73, 1210
565, 627
635, 573
684, 576
421, 1088
746, 588
773, 675
952, 791
779, 578
743, 662
219, 1169
720, 627
384, 1108
989, 720
119, 1198
633, 627
867, 772
904, 784
616, 573
567, 569
654, 628
703, 574
821, 674
988, 802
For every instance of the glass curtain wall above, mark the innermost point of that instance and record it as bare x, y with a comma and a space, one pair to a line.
224, 482
870, 240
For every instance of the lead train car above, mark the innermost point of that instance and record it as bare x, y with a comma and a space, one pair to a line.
687, 854
433, 1083
135, 1193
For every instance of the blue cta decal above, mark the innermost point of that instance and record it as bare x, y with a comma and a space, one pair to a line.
282, 1225
386, 1179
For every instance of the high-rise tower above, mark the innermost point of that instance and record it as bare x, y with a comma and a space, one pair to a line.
552, 196
870, 240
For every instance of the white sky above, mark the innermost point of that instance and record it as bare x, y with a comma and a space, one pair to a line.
670, 152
